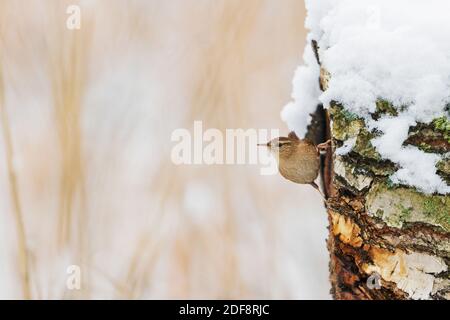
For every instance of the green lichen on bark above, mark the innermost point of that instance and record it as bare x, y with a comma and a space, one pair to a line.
392, 229
347, 125
442, 125
428, 138
400, 205
354, 177
443, 168
367, 166
364, 147
432, 137
438, 209
384, 107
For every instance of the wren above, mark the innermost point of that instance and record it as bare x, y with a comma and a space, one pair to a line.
298, 159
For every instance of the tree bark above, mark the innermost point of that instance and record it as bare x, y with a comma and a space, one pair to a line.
385, 241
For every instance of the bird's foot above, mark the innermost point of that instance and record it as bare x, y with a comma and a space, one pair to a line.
323, 147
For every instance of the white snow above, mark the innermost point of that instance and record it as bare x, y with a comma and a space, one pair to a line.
346, 147
394, 50
305, 94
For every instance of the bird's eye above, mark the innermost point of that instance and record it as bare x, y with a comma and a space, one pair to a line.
279, 144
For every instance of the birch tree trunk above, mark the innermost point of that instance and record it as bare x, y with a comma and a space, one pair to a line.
385, 241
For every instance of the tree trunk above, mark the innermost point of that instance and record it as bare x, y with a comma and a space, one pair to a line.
385, 241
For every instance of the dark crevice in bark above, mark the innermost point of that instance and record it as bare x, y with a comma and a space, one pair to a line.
366, 165
318, 131
428, 139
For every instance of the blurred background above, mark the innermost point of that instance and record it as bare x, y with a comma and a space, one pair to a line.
86, 176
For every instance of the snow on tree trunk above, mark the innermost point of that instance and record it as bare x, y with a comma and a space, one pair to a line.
382, 72
385, 241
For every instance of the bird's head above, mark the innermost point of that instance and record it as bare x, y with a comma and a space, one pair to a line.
282, 147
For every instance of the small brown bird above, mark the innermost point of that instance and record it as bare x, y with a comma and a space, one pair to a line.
298, 159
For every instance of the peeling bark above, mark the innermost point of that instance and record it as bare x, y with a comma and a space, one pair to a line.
385, 241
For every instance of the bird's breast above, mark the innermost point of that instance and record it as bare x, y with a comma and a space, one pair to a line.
302, 167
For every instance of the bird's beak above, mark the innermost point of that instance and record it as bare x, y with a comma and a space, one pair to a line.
263, 144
